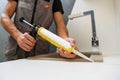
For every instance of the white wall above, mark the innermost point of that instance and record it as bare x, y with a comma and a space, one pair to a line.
80, 28
117, 12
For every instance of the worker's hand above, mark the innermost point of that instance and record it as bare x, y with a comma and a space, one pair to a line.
66, 54
26, 42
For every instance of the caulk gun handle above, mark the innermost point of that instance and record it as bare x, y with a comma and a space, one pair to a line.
33, 33
21, 53
24, 54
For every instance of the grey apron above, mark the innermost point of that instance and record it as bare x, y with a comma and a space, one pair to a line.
34, 11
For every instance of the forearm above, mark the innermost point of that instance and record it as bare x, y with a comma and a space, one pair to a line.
9, 26
62, 31
6, 21
60, 26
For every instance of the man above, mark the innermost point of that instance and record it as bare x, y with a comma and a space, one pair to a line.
42, 12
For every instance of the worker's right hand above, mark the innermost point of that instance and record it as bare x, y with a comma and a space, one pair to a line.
26, 42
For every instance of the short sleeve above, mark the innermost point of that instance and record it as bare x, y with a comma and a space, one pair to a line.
57, 6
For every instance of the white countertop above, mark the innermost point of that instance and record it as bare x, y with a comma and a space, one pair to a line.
60, 70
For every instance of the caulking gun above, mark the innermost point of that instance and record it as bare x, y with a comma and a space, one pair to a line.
54, 39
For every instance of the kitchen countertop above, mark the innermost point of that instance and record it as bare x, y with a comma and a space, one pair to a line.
27, 69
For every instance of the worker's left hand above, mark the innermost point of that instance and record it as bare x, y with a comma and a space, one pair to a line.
65, 54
